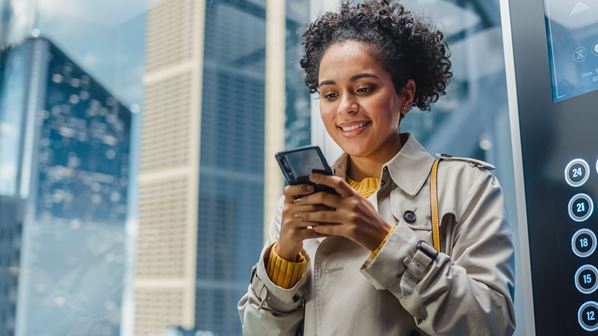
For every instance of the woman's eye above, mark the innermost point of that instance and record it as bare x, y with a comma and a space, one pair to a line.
330, 95
365, 89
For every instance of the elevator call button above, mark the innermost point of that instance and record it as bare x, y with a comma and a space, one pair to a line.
587, 315
583, 243
577, 172
585, 279
580, 207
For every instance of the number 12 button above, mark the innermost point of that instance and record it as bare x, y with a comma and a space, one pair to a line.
587, 316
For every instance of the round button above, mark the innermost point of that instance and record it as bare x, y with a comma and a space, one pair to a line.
409, 216
587, 316
577, 172
585, 279
583, 243
595, 48
580, 207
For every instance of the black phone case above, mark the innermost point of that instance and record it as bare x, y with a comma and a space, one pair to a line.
293, 180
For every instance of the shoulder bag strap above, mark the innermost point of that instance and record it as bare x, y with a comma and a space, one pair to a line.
434, 205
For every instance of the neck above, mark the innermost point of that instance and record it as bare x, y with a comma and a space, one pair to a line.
361, 167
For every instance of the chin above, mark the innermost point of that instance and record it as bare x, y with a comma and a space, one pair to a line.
357, 151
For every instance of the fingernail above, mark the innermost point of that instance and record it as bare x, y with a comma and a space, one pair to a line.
297, 200
299, 215
309, 188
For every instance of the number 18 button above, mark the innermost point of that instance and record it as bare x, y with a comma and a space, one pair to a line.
583, 243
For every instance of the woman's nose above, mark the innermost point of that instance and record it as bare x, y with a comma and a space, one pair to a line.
348, 106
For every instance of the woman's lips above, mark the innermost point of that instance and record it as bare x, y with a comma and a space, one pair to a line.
353, 129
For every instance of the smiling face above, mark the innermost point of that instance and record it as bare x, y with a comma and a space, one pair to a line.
359, 105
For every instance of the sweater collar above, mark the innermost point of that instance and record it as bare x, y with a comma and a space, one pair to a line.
409, 168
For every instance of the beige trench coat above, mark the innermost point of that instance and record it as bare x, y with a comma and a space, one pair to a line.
467, 290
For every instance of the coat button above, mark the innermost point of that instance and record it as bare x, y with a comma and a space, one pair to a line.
382, 183
409, 216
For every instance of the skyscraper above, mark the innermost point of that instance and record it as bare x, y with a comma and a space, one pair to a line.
11, 226
5, 16
201, 179
65, 153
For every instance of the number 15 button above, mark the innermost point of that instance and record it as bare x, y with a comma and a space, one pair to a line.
585, 279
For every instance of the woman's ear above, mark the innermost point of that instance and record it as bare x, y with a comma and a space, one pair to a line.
408, 93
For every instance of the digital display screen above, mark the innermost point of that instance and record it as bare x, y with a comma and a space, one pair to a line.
572, 34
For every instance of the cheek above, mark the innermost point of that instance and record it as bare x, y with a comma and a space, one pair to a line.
394, 110
328, 115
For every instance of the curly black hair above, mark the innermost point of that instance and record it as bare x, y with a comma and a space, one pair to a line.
406, 46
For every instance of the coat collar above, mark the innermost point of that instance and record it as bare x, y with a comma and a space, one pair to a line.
409, 168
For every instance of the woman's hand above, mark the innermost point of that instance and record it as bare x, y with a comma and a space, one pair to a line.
348, 215
294, 231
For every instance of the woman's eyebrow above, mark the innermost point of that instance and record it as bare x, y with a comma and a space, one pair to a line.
327, 82
353, 78
363, 75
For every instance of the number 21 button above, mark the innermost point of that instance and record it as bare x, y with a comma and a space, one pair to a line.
580, 207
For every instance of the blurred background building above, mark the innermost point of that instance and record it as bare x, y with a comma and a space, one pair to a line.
165, 115
65, 161
202, 161
65, 153
11, 227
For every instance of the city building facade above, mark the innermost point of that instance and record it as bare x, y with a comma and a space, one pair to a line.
65, 151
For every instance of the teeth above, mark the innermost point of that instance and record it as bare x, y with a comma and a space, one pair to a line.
348, 129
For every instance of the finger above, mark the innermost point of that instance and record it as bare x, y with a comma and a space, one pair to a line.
309, 233
291, 192
304, 208
323, 198
329, 230
335, 182
318, 217
310, 207
302, 225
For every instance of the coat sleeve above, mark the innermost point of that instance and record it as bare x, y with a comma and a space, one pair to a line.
267, 309
469, 292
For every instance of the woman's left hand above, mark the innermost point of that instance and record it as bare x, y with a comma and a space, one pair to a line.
351, 216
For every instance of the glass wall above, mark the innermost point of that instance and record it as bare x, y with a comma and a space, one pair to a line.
100, 97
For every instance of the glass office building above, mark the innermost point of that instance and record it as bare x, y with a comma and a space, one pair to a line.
11, 227
230, 211
66, 141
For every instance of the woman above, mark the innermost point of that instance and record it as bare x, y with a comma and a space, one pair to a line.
363, 262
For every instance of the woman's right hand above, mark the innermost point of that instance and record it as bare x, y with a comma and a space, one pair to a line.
294, 231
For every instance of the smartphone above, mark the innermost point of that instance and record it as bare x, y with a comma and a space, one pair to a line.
296, 165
